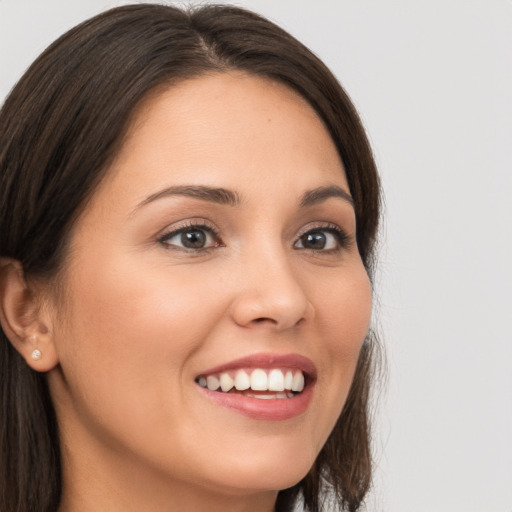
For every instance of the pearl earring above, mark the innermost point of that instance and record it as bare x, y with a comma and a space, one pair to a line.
36, 354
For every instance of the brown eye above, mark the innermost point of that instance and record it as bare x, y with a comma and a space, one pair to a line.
325, 239
315, 240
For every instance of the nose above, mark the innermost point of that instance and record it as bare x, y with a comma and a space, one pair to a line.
269, 293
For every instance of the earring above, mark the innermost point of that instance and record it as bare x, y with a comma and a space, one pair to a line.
36, 354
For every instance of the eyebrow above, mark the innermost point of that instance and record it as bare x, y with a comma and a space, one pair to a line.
224, 196
321, 194
211, 194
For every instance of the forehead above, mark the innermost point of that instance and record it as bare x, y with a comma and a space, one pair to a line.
230, 130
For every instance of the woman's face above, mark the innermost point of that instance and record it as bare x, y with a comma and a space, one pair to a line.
219, 250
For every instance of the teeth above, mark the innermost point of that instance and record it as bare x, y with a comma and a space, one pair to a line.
270, 397
212, 383
226, 382
298, 382
242, 380
288, 379
276, 381
259, 381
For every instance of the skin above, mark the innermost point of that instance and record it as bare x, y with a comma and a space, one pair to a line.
135, 318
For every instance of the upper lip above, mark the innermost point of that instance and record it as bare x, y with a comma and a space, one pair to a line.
267, 360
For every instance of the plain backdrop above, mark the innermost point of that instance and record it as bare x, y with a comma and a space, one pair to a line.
433, 82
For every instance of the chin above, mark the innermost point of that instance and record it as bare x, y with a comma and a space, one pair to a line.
272, 470
263, 481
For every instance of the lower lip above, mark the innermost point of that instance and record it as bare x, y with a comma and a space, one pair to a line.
276, 409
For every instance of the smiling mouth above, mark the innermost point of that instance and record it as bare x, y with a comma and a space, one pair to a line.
264, 384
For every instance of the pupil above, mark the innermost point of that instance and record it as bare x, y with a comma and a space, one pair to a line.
193, 239
314, 241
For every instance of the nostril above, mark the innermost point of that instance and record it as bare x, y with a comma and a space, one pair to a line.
263, 319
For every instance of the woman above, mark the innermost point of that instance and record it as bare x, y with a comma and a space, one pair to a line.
185, 298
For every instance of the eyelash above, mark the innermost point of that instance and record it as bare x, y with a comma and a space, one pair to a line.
341, 236
192, 226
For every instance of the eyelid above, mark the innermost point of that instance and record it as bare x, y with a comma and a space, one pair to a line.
344, 238
198, 223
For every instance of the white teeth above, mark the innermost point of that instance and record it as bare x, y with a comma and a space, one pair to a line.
288, 379
298, 382
259, 380
270, 397
242, 380
212, 383
276, 381
226, 382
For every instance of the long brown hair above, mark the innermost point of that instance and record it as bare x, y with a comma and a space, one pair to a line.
60, 128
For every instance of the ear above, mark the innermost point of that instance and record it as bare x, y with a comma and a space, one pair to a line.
24, 319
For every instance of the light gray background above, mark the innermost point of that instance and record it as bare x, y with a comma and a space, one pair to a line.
433, 82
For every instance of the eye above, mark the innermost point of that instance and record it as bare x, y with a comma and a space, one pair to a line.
192, 237
330, 238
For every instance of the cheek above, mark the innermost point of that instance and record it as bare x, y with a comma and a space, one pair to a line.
343, 314
134, 328
130, 303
